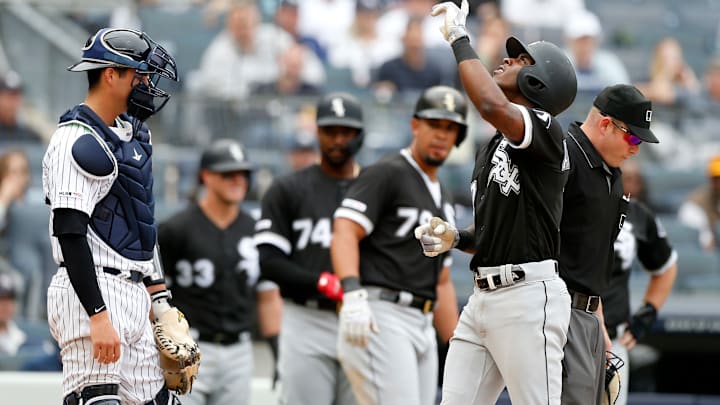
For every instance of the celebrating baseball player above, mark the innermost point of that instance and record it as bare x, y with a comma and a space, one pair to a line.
211, 262
97, 179
513, 329
293, 238
594, 210
387, 344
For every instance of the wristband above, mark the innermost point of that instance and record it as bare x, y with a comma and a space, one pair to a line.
465, 240
463, 50
351, 283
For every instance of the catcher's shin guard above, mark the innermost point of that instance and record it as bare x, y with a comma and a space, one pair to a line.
102, 394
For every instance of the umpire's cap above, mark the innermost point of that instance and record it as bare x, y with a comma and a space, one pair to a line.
550, 82
443, 103
627, 103
226, 155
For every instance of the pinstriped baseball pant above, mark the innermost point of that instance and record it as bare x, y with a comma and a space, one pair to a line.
137, 371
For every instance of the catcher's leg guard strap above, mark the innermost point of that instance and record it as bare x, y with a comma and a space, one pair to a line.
101, 394
164, 397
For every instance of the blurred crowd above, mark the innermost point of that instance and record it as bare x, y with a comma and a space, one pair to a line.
256, 76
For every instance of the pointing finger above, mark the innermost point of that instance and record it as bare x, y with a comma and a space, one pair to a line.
438, 9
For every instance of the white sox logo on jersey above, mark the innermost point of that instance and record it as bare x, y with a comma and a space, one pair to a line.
202, 271
338, 107
503, 172
625, 245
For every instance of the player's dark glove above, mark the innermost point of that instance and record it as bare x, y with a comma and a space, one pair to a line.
642, 321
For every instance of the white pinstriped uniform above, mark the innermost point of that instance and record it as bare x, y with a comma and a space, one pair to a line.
137, 371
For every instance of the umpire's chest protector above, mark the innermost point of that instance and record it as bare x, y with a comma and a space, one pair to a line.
124, 218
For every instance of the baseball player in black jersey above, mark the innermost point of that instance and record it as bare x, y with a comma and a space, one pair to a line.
513, 328
594, 211
211, 263
97, 180
293, 237
644, 237
387, 344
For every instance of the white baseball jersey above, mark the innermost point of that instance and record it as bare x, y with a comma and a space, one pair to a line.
67, 185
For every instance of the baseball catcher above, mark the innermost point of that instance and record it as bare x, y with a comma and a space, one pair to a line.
179, 354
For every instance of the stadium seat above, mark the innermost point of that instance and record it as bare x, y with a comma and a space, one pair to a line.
30, 253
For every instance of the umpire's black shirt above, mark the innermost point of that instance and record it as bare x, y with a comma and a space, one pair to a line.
594, 209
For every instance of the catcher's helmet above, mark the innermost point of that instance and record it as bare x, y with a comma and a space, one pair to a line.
344, 110
120, 47
550, 82
443, 103
226, 155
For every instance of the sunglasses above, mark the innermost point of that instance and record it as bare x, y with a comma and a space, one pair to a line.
630, 138
232, 175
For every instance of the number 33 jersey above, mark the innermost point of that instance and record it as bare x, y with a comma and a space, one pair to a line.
389, 200
211, 271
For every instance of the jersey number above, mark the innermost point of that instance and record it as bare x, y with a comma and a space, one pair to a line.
320, 233
202, 271
412, 218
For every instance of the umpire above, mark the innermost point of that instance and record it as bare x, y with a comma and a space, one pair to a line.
594, 210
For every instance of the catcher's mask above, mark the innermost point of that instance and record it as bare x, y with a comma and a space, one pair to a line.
342, 109
113, 47
613, 363
550, 82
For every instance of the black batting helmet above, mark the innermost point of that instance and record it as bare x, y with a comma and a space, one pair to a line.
225, 155
344, 110
443, 103
550, 82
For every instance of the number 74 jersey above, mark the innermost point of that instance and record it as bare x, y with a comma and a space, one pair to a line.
296, 217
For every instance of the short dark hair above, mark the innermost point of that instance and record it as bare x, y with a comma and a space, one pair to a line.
94, 74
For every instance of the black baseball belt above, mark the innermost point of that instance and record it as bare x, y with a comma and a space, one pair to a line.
506, 275
404, 298
135, 276
223, 338
588, 303
93, 391
324, 304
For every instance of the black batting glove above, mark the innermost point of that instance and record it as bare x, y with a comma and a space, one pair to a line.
643, 320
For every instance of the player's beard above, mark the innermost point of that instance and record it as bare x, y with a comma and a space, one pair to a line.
337, 160
430, 161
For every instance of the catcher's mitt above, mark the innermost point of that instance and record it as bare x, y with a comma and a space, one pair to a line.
179, 354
